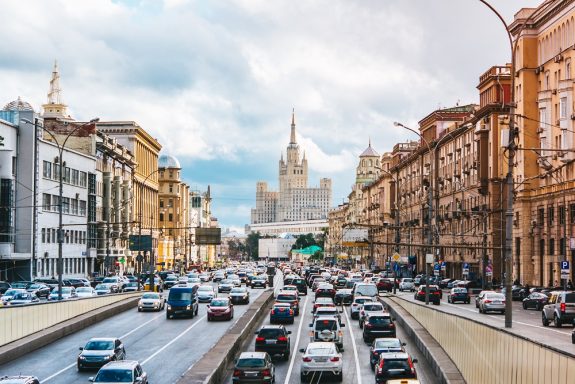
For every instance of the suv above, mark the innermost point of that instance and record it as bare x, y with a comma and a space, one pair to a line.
291, 298
254, 367
364, 289
126, 371
99, 351
560, 308
378, 325
273, 339
328, 328
434, 294
394, 366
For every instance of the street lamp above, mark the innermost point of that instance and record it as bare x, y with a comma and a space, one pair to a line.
396, 218
61, 147
140, 257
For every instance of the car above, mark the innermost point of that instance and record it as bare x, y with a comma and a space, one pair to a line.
117, 283
220, 308
370, 308
282, 313
170, 281
24, 298
322, 302
218, 276
188, 282
384, 345
151, 301
182, 301
132, 286
39, 289
9, 294
357, 304
492, 302
104, 289
68, 293
406, 284
86, 292
225, 285
291, 289
290, 298
275, 340
458, 295
127, 371
99, 351
434, 294
385, 284
300, 284
343, 297
20, 379
78, 282
443, 283
259, 281
560, 309
328, 311
327, 328
240, 295
395, 366
321, 359
378, 325
480, 296
340, 282
48, 281
206, 293
316, 283
536, 300
235, 279
325, 290
254, 367
20, 284
204, 277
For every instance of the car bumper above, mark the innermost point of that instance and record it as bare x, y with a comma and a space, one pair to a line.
237, 300
250, 381
373, 334
282, 319
204, 299
91, 364
149, 307
494, 307
310, 369
220, 315
180, 311
273, 349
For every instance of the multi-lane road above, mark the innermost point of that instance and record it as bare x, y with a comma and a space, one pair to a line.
356, 368
526, 322
165, 348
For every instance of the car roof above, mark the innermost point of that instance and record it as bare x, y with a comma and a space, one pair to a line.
396, 355
103, 339
252, 355
272, 327
127, 364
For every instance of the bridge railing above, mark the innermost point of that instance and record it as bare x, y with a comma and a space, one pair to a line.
20, 321
486, 354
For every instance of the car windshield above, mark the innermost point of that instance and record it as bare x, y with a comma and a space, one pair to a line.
320, 351
175, 295
366, 290
219, 303
64, 290
110, 280
495, 296
22, 296
99, 345
171, 278
19, 284
101, 287
322, 325
363, 300
238, 290
114, 376
83, 289
459, 290
150, 296
387, 343
379, 320
251, 363
373, 307
34, 286
11, 292
226, 281
206, 288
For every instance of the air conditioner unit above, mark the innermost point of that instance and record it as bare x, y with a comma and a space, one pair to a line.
554, 91
538, 70
573, 116
558, 58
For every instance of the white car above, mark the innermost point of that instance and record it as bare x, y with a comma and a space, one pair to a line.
151, 301
206, 293
368, 309
406, 284
357, 304
68, 293
86, 292
321, 358
9, 294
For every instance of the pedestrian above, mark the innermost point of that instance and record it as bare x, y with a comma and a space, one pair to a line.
556, 283
569, 285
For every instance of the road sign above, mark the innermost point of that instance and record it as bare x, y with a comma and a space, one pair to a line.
443, 266
429, 258
565, 269
396, 257
465, 269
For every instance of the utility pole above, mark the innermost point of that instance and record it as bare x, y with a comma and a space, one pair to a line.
484, 257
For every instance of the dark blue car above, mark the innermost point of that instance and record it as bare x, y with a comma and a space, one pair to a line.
281, 313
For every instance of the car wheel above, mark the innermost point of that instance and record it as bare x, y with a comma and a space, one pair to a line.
557, 321
340, 377
524, 305
167, 315
544, 320
371, 365
209, 318
80, 369
360, 324
139, 310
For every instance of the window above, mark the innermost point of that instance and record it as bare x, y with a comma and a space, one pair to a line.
56, 173
67, 175
161, 203
170, 203
46, 205
171, 188
550, 215
563, 108
47, 171
75, 177
562, 214
43, 235
171, 217
572, 213
83, 179
541, 217
82, 208
161, 217
65, 205
551, 247
567, 69
74, 207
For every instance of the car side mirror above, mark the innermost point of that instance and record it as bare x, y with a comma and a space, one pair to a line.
311, 325
91, 379
414, 360
207, 306
289, 332
341, 311
342, 325
302, 350
404, 344
81, 348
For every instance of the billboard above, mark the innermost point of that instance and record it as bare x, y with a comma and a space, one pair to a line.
355, 237
140, 243
208, 236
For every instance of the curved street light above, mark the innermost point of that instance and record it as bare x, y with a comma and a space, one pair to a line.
61, 146
140, 257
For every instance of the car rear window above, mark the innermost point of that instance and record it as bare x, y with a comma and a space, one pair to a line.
322, 325
363, 300
379, 320
270, 332
570, 298
389, 364
286, 297
373, 307
251, 363
387, 343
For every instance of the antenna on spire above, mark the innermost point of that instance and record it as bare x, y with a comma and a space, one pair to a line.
293, 116
292, 136
369, 141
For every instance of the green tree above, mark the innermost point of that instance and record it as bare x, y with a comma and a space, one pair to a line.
304, 241
252, 245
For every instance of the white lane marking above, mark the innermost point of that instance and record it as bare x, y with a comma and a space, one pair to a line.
121, 337
293, 355
174, 340
541, 327
357, 370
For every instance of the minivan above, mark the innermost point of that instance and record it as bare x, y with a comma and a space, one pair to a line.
182, 301
364, 289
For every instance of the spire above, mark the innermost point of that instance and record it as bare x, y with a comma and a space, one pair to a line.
292, 137
55, 93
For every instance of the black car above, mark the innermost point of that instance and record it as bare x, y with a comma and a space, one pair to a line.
254, 367
19, 379
273, 339
343, 296
535, 300
434, 294
384, 345
40, 290
375, 326
392, 366
99, 351
4, 286
52, 283
458, 294
301, 285
340, 282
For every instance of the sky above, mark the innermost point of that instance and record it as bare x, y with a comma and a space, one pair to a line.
216, 81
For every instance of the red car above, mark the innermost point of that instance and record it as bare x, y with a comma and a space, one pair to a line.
220, 309
385, 284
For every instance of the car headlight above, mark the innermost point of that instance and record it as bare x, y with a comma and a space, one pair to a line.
82, 357
188, 307
169, 307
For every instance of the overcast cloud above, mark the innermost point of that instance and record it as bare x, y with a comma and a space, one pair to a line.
215, 81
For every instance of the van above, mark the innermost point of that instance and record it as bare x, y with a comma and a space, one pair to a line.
364, 289
182, 301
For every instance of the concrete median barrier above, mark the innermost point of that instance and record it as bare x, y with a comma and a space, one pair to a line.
211, 368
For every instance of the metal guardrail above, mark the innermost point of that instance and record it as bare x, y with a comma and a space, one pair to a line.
21, 321
486, 354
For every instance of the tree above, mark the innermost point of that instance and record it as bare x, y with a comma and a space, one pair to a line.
252, 245
318, 256
304, 241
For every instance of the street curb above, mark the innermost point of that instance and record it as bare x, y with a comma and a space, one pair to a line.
225, 350
442, 365
25, 345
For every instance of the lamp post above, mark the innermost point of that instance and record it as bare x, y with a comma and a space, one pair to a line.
151, 273
61, 146
396, 225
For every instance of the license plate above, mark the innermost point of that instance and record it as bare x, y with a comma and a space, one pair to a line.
320, 359
270, 341
251, 374
496, 302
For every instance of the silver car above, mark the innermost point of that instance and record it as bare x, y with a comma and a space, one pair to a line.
321, 358
206, 293
370, 308
151, 301
357, 304
492, 302
407, 284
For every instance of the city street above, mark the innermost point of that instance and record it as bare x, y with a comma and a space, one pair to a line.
165, 348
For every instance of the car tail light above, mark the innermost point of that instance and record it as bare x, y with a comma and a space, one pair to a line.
335, 358
266, 372
260, 339
486, 301
282, 338
307, 359
436, 293
391, 325
411, 365
237, 373
503, 301
562, 307
291, 311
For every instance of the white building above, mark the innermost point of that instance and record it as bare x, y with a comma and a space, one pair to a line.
275, 249
292, 227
